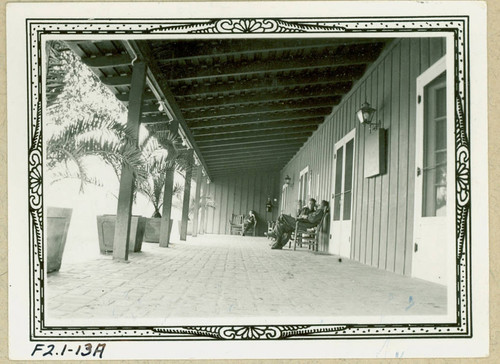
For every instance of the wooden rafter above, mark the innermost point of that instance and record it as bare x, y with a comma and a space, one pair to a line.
259, 127
254, 109
199, 51
345, 74
255, 134
254, 156
250, 98
260, 118
361, 56
278, 145
269, 140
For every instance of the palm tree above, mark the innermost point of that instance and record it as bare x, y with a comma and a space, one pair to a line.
79, 126
159, 158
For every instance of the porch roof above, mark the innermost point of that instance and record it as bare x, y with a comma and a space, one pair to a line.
241, 103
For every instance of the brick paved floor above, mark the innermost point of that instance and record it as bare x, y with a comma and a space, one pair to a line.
228, 276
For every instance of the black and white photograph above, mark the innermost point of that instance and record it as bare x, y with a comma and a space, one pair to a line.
204, 181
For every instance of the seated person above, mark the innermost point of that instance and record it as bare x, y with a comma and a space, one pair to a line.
249, 222
290, 221
283, 231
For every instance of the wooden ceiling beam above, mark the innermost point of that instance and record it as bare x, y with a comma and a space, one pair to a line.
269, 140
258, 109
115, 81
255, 134
248, 162
148, 96
278, 145
263, 154
155, 119
361, 56
169, 51
111, 60
260, 127
270, 166
260, 118
246, 99
345, 74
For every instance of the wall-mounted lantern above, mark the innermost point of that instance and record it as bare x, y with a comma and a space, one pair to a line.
288, 180
269, 205
365, 116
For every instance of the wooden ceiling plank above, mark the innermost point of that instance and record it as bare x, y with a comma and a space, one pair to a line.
148, 96
254, 134
272, 66
256, 157
248, 163
259, 127
258, 109
113, 60
247, 148
232, 49
271, 166
262, 140
117, 80
155, 119
261, 118
345, 74
283, 96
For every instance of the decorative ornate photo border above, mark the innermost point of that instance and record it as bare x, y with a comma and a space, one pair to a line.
458, 26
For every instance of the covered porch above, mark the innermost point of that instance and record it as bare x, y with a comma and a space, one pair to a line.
249, 114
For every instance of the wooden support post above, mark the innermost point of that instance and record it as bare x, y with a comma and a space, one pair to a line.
196, 206
125, 195
187, 196
166, 213
168, 189
203, 206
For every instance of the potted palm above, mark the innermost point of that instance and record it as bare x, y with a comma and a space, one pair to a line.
80, 131
161, 154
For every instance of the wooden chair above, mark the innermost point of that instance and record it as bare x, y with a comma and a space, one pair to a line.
308, 236
236, 224
270, 227
253, 230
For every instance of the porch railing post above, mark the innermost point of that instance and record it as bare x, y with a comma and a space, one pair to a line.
125, 196
168, 190
187, 195
196, 206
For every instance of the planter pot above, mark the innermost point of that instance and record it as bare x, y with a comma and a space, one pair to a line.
152, 233
189, 229
106, 233
58, 220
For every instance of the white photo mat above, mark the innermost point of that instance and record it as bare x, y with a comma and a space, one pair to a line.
466, 331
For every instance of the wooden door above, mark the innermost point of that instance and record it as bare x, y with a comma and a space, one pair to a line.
432, 184
341, 206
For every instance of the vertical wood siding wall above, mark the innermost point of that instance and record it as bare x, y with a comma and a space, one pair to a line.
238, 194
382, 206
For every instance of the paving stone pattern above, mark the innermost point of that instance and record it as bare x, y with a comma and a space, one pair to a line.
232, 276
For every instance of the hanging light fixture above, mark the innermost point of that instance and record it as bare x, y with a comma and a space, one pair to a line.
287, 180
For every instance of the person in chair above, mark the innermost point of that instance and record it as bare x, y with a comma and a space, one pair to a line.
290, 221
283, 231
249, 222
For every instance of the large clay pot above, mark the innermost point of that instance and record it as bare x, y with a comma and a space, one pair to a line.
58, 220
152, 233
106, 232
